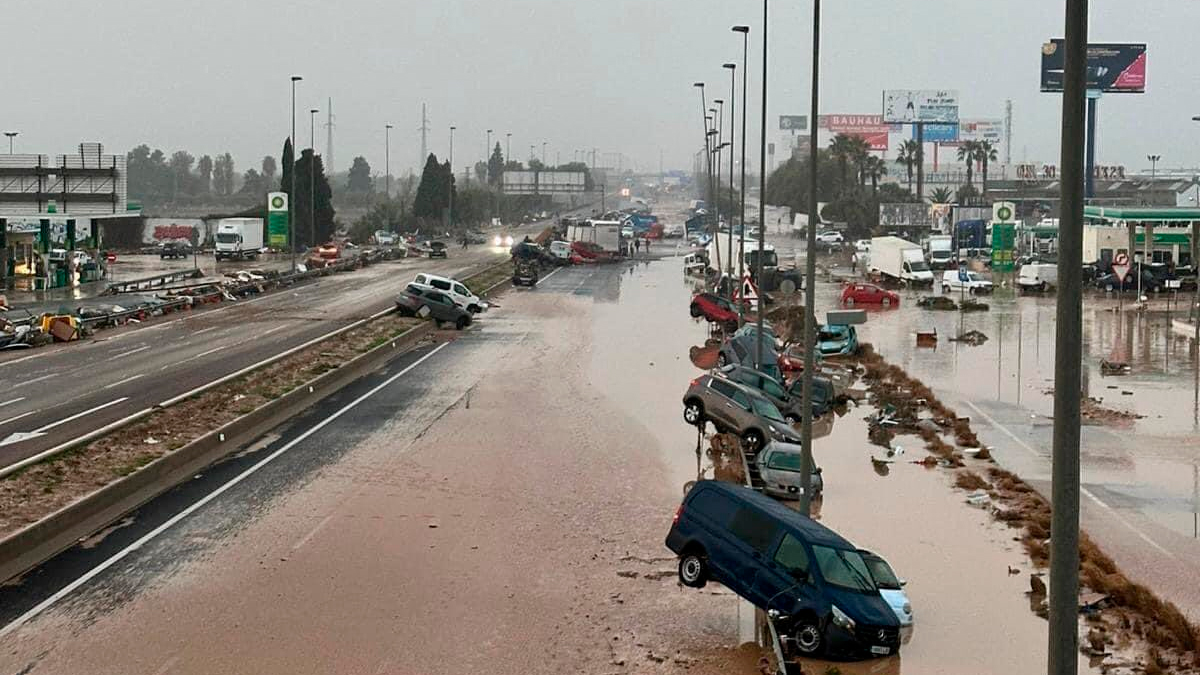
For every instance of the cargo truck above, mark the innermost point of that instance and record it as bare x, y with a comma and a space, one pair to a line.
239, 238
941, 252
900, 261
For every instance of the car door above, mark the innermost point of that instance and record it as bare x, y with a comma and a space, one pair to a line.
462, 293
754, 538
739, 351
442, 306
721, 406
786, 571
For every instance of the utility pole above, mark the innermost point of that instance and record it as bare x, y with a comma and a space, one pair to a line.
507, 147
329, 135
292, 170
312, 176
1153, 159
424, 138
450, 163
810, 278
1064, 487
762, 199
387, 160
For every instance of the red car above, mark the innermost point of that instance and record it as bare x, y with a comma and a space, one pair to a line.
868, 294
714, 308
791, 360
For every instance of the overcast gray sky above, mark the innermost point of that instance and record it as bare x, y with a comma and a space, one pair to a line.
211, 76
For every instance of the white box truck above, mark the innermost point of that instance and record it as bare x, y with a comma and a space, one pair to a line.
239, 238
941, 251
899, 260
607, 235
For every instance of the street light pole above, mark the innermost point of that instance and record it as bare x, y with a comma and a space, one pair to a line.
1064, 487
810, 277
11, 135
292, 169
387, 160
762, 197
745, 31
450, 161
732, 67
543, 153
719, 124
1153, 159
707, 145
312, 177
508, 148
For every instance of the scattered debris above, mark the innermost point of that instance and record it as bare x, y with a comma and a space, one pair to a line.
979, 498
971, 337
937, 302
1114, 367
927, 337
973, 305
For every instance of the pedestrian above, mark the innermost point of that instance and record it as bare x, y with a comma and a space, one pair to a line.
637, 245
854, 262
647, 246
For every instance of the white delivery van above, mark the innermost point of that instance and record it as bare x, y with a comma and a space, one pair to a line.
899, 260
455, 290
239, 238
1038, 277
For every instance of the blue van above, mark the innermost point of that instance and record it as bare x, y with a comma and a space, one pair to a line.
784, 563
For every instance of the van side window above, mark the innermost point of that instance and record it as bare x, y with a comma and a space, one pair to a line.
714, 505
461, 290
791, 556
755, 529
773, 389
440, 285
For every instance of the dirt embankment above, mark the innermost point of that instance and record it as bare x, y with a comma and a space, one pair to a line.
32, 494
1121, 616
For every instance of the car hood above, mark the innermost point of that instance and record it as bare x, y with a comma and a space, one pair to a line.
789, 434
897, 599
869, 609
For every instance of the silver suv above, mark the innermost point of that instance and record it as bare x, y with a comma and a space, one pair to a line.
737, 409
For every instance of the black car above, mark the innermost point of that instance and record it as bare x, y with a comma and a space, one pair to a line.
173, 250
427, 302
813, 582
437, 249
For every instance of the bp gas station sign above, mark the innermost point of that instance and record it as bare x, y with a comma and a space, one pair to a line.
277, 220
1004, 236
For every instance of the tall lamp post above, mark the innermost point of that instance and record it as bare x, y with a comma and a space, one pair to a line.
312, 177
543, 152
745, 31
732, 115
507, 148
707, 156
11, 135
762, 192
387, 160
1153, 159
718, 124
292, 169
810, 277
450, 161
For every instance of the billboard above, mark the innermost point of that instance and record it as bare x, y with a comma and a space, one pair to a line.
1111, 67
939, 133
920, 105
991, 131
543, 182
870, 128
793, 122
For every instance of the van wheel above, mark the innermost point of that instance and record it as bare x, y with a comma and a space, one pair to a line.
461, 323
1044, 287
693, 413
474, 309
693, 570
753, 440
808, 637
787, 287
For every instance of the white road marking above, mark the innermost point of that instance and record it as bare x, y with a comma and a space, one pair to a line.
14, 419
121, 382
199, 356
203, 330
313, 532
39, 379
1087, 493
131, 351
268, 332
22, 359
151, 535
556, 270
20, 436
15, 400
85, 413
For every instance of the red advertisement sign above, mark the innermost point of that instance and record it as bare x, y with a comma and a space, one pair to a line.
870, 128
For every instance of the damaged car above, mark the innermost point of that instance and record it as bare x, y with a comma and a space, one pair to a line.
736, 409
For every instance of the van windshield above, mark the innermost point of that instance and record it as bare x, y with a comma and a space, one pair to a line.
844, 569
918, 266
770, 259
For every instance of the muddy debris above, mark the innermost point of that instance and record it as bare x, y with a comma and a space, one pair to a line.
1114, 367
971, 337
1092, 410
725, 451
937, 302
973, 305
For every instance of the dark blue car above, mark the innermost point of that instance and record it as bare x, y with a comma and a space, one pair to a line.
780, 560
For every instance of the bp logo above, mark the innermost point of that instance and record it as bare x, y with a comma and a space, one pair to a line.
277, 202
1004, 213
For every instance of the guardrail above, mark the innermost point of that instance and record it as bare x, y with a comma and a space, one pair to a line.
151, 283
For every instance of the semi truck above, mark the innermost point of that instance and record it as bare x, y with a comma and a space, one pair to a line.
239, 238
900, 261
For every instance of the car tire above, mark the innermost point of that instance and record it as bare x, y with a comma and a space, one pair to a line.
787, 287
1108, 288
462, 323
807, 637
753, 440
886, 302
693, 413
1043, 287
474, 309
696, 311
693, 570
722, 361
849, 302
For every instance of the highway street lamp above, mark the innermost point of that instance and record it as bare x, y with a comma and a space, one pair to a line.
292, 169
543, 152
11, 135
732, 114
507, 148
450, 161
810, 276
707, 156
387, 160
745, 31
762, 191
1153, 159
312, 177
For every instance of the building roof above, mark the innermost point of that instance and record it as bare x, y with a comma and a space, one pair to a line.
1142, 214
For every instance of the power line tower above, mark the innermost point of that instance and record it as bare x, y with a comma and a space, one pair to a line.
330, 165
424, 138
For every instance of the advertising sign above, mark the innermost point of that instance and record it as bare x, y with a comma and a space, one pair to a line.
981, 130
793, 122
939, 133
870, 128
1118, 68
1004, 239
920, 105
277, 220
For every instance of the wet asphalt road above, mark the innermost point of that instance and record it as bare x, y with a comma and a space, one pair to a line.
58, 393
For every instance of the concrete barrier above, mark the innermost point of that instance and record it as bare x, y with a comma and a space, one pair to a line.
57, 532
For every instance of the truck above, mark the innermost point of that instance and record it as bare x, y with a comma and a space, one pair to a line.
239, 238
774, 278
898, 260
607, 235
941, 251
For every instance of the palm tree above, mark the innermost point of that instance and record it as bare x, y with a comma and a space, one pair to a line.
941, 195
966, 152
839, 147
906, 154
860, 152
985, 151
875, 168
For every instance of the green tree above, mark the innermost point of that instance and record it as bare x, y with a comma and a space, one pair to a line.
495, 166
223, 174
181, 172
874, 168
252, 183
285, 180
204, 166
268, 170
149, 177
840, 148
985, 152
908, 154
313, 210
966, 194
387, 215
481, 171
967, 151
433, 192
359, 179
942, 195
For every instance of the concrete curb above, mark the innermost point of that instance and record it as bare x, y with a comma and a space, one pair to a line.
58, 531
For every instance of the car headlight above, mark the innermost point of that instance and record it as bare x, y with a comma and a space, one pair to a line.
841, 619
508, 241
497, 241
908, 608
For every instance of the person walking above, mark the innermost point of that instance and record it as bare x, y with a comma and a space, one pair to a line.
637, 245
